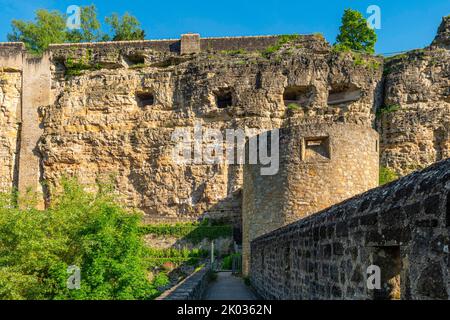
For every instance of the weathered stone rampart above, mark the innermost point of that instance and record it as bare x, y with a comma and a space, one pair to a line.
402, 227
10, 114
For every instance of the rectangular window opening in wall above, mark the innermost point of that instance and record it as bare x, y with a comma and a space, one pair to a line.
388, 259
145, 99
224, 98
299, 95
316, 149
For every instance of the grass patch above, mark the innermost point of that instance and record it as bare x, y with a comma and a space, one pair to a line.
233, 52
227, 262
88, 230
387, 175
139, 66
212, 276
282, 40
158, 257
191, 231
319, 35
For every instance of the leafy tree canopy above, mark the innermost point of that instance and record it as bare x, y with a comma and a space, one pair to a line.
49, 27
355, 34
126, 27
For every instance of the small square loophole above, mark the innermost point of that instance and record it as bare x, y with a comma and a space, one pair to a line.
316, 149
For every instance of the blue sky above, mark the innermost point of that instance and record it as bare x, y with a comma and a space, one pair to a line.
405, 24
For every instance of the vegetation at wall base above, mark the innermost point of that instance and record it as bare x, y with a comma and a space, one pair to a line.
387, 109
80, 229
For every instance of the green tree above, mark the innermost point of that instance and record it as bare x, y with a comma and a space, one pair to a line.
48, 27
126, 27
82, 229
355, 34
90, 27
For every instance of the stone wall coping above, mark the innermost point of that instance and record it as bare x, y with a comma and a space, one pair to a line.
143, 42
109, 43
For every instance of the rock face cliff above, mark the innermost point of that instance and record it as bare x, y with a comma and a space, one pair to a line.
114, 107
415, 123
119, 120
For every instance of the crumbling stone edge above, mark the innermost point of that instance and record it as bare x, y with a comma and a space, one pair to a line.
191, 288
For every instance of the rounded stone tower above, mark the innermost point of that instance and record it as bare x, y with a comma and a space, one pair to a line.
319, 165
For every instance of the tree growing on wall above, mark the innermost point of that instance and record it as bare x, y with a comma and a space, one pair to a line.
355, 34
126, 27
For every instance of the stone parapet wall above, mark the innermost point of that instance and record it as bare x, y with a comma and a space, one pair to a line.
402, 227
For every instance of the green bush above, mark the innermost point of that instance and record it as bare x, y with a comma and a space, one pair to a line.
86, 230
227, 262
76, 67
212, 276
192, 231
387, 175
161, 280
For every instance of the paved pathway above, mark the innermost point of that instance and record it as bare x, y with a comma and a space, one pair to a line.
228, 287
